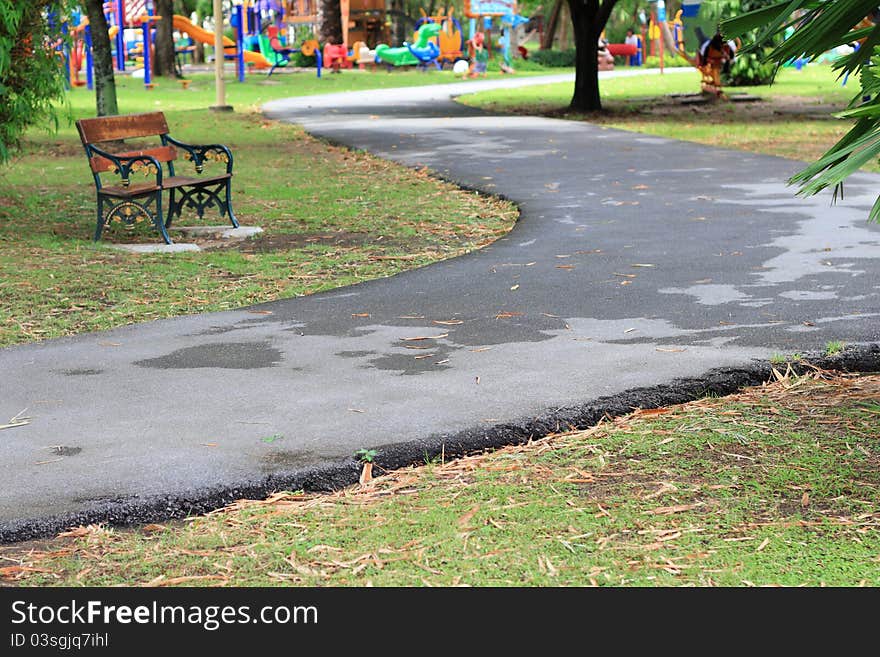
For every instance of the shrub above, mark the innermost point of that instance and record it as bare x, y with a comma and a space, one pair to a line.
31, 74
669, 60
748, 70
553, 58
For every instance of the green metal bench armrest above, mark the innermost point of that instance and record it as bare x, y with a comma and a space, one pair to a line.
201, 153
126, 165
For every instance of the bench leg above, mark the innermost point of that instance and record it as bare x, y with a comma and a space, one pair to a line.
170, 214
229, 211
200, 199
158, 220
99, 227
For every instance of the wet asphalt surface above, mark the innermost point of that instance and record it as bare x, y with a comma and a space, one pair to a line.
639, 265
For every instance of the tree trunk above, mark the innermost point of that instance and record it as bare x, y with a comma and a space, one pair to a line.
164, 60
329, 21
102, 57
551, 22
587, 22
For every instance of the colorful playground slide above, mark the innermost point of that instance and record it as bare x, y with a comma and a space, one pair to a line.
183, 24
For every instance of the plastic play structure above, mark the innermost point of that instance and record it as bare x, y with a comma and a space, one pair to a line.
423, 52
708, 58
450, 39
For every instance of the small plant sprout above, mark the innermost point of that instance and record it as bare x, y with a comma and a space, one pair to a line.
777, 359
834, 347
366, 457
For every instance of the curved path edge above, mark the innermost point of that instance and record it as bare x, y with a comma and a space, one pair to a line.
333, 476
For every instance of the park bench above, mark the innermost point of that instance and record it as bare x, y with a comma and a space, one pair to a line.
131, 202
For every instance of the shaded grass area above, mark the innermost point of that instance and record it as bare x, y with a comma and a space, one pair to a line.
793, 118
331, 217
779, 484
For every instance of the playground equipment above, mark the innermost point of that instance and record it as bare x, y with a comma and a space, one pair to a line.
478, 55
274, 50
485, 11
450, 40
196, 33
509, 23
710, 55
337, 57
80, 49
425, 50
365, 56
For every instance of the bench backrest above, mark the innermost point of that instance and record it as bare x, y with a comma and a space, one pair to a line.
119, 128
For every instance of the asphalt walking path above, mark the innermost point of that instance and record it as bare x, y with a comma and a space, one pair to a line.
638, 261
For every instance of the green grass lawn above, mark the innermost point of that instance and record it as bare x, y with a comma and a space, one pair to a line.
776, 485
258, 89
795, 121
331, 217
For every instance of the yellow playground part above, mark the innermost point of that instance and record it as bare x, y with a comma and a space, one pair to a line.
183, 24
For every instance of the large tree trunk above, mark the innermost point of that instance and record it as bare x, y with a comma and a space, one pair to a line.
329, 21
588, 18
551, 22
164, 60
102, 57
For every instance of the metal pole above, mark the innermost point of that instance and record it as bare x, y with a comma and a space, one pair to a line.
148, 64
238, 12
90, 73
120, 35
219, 83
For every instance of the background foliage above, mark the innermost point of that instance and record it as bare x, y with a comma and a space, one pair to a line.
31, 73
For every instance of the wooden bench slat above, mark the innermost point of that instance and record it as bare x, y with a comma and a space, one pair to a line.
129, 126
162, 153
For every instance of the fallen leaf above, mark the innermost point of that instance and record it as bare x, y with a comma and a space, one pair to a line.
671, 350
260, 312
641, 264
667, 510
565, 266
426, 337
763, 544
478, 349
805, 499
507, 315
652, 411
515, 287
466, 518
360, 314
10, 571
447, 322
